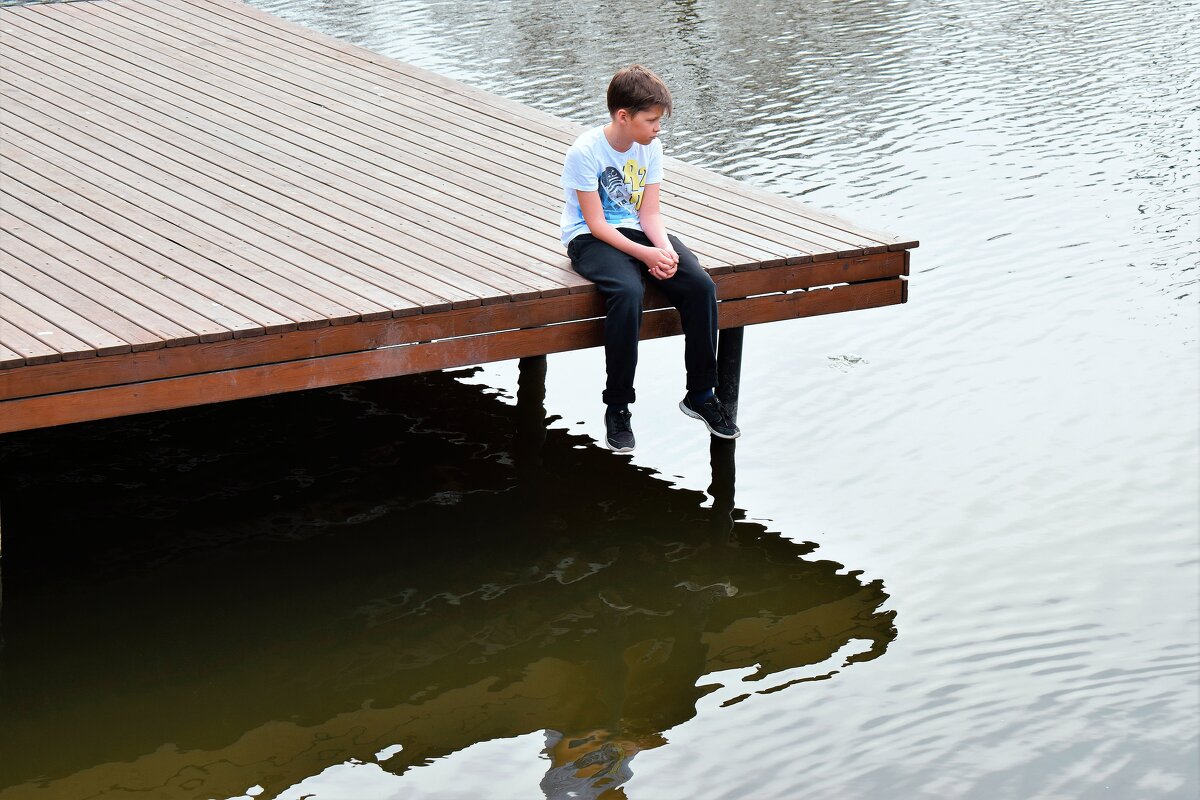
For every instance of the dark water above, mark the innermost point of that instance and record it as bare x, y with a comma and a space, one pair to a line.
960, 559
199, 597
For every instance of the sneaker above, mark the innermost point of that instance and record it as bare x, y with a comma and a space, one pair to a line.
713, 415
618, 430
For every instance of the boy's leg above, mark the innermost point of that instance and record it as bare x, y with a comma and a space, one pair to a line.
693, 292
619, 280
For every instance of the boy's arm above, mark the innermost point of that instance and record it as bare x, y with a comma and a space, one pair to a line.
650, 217
660, 262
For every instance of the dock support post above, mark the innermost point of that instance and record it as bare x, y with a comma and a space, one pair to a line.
721, 457
722, 451
531, 412
729, 368
531, 384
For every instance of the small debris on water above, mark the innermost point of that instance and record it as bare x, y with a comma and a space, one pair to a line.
846, 361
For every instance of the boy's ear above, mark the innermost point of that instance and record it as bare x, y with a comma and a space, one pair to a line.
622, 115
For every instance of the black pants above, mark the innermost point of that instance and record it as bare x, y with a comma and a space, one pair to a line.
619, 277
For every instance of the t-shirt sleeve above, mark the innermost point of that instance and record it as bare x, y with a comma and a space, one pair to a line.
579, 170
654, 169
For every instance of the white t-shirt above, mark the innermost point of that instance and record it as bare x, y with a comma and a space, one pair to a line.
592, 165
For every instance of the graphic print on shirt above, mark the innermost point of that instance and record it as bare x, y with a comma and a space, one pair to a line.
621, 194
635, 178
615, 196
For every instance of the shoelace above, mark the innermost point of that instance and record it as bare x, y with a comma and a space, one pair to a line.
621, 421
722, 414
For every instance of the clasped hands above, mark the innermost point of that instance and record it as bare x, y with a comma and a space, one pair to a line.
661, 262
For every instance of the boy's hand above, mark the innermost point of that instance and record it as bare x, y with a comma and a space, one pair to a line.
661, 263
674, 258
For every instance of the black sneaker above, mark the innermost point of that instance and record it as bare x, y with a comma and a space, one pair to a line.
618, 430
713, 415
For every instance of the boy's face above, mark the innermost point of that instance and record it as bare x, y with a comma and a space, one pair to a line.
644, 125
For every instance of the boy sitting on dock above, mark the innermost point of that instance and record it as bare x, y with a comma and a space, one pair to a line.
615, 237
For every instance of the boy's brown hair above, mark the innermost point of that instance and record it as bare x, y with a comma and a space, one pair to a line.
635, 89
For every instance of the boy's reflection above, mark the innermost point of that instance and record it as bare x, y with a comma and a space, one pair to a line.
589, 767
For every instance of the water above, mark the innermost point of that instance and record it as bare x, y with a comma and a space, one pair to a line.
955, 555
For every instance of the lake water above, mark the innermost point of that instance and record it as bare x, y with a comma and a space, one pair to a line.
956, 553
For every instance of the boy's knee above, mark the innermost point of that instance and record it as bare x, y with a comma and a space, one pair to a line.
627, 294
698, 282
686, 257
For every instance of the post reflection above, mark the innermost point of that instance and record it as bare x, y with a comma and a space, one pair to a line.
409, 563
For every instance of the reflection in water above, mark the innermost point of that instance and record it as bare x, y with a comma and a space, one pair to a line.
248, 594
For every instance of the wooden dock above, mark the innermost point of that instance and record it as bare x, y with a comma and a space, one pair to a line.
200, 202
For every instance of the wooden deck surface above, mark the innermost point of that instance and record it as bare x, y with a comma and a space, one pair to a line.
201, 202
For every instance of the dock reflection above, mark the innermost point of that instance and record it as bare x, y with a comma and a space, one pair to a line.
205, 600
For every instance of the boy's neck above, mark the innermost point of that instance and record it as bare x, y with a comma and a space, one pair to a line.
617, 140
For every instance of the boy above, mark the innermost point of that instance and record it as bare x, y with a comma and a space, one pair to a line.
615, 236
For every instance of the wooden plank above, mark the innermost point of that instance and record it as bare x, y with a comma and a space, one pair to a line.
339, 229
757, 204
174, 322
231, 253
9, 358
83, 230
499, 172
216, 207
177, 72
97, 340
812, 302
297, 345
257, 381
856, 269
325, 152
114, 315
245, 286
32, 350
428, 327
367, 209
94, 217
32, 335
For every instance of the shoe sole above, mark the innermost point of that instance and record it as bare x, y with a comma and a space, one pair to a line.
616, 449
694, 415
